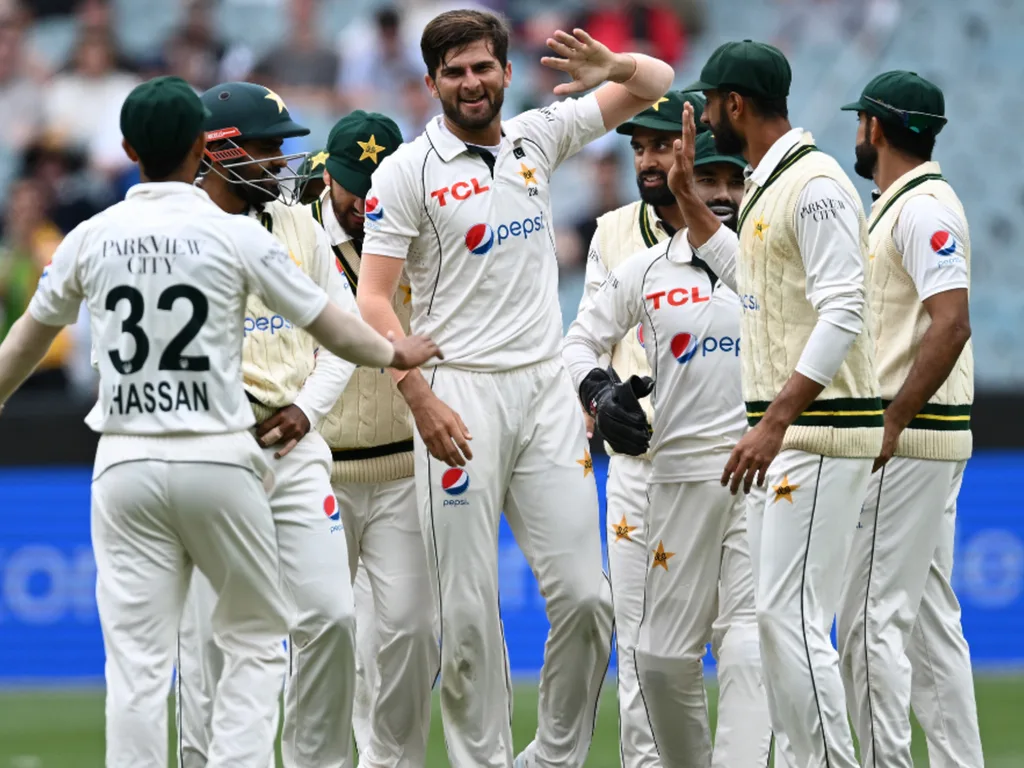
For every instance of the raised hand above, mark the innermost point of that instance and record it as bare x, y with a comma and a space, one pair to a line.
587, 61
680, 175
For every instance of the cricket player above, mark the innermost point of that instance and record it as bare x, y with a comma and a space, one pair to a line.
919, 275
369, 432
179, 481
620, 234
465, 211
699, 585
290, 387
809, 380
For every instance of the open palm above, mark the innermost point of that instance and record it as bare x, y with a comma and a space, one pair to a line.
587, 61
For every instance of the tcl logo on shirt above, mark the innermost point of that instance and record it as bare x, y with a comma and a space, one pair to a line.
460, 190
480, 238
676, 297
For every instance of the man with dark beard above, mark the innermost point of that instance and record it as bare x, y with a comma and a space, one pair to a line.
809, 380
369, 433
291, 386
465, 210
899, 633
620, 234
670, 651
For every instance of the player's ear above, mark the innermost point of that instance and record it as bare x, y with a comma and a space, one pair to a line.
129, 151
327, 178
431, 86
508, 74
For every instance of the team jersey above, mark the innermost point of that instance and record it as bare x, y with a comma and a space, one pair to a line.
165, 275
479, 239
689, 328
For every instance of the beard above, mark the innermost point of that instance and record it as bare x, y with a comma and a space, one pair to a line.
867, 160
350, 221
259, 189
657, 195
727, 141
453, 111
726, 211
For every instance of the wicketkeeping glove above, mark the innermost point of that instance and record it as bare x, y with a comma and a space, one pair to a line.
615, 406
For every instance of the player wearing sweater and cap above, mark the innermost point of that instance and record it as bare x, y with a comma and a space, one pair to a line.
291, 386
179, 480
899, 630
620, 234
369, 433
465, 211
698, 583
809, 381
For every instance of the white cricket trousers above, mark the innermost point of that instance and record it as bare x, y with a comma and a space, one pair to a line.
628, 558
396, 632
320, 682
152, 521
530, 459
898, 630
800, 539
699, 589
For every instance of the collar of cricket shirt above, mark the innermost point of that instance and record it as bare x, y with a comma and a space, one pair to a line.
774, 156
153, 189
679, 250
449, 146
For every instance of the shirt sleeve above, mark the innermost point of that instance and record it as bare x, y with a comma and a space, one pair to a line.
392, 209
562, 129
59, 294
614, 310
721, 251
596, 272
274, 277
331, 374
932, 238
828, 233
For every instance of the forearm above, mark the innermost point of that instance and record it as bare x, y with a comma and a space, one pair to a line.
828, 345
720, 251
938, 352
350, 338
635, 82
580, 357
23, 349
797, 394
324, 386
380, 314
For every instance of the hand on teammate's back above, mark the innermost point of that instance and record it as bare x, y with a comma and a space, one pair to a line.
287, 426
413, 351
443, 432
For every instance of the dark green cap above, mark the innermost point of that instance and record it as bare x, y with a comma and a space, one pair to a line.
242, 111
161, 119
356, 145
705, 152
667, 114
748, 68
313, 166
903, 98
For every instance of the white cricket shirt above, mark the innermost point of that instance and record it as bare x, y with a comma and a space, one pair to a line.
165, 275
927, 233
479, 243
690, 332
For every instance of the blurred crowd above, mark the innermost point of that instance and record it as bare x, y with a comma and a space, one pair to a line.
67, 65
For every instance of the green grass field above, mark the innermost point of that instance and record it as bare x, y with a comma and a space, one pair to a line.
64, 729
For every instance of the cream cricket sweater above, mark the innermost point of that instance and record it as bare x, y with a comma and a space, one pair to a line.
942, 430
370, 429
846, 418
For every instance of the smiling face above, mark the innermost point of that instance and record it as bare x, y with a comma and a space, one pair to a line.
652, 160
470, 83
720, 186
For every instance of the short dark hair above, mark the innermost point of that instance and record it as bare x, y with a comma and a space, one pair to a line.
165, 165
919, 145
769, 108
454, 30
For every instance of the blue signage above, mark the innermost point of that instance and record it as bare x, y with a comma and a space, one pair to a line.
49, 629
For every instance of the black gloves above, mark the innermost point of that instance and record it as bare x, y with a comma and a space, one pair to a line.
615, 406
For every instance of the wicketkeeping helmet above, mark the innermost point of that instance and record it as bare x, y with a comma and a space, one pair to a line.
246, 111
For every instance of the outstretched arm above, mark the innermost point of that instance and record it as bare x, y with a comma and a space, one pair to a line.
23, 349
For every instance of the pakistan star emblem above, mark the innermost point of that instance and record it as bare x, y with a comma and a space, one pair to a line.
623, 529
527, 174
760, 227
370, 149
661, 556
658, 103
784, 490
586, 462
294, 258
277, 99
406, 293
318, 159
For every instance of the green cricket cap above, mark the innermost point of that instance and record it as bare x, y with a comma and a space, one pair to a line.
244, 111
705, 152
355, 147
161, 119
748, 68
313, 166
667, 114
903, 98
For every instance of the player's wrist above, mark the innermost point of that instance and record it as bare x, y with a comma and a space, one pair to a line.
623, 68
